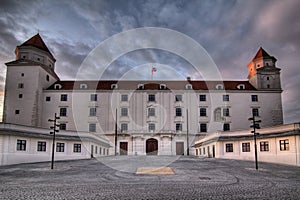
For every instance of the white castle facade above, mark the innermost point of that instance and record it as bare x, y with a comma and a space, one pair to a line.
154, 117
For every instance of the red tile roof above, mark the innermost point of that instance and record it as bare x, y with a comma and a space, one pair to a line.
261, 53
151, 85
37, 41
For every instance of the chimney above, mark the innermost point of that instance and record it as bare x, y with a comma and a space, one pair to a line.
188, 78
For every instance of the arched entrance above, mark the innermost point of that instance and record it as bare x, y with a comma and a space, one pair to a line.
151, 146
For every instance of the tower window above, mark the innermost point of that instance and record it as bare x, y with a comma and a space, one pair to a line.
17, 112
20, 85
48, 98
22, 74
47, 78
20, 96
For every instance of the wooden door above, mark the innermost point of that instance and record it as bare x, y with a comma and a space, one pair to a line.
179, 148
123, 148
151, 146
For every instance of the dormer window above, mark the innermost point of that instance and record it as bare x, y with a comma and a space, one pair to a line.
188, 86
83, 86
140, 86
220, 87
241, 86
114, 86
57, 86
162, 87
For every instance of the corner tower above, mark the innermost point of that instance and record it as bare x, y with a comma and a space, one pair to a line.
263, 73
26, 77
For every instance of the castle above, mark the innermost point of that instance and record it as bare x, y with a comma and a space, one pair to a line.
153, 117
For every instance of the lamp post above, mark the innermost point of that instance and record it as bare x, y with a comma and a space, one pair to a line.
53, 138
116, 132
187, 133
255, 125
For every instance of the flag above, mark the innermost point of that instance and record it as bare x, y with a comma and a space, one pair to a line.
153, 70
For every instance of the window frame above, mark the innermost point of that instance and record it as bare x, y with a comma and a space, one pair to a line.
92, 127
76, 148
264, 146
202, 112
41, 146
151, 127
284, 145
124, 97
246, 147
63, 112
226, 127
151, 98
178, 112
254, 98
60, 147
178, 98
151, 112
229, 147
93, 97
93, 112
21, 145
63, 97
202, 97
124, 112
203, 128
226, 98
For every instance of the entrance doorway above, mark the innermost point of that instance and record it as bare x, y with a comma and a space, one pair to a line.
151, 146
180, 148
123, 148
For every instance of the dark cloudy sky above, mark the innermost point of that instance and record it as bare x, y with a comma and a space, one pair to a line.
230, 31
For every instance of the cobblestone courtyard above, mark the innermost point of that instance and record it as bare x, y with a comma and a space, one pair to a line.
116, 178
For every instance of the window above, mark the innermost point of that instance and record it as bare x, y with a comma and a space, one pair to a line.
241, 87
255, 112
47, 78
254, 98
124, 97
268, 78
124, 112
140, 86
226, 127
219, 87
203, 128
178, 127
83, 86
92, 128
63, 112
202, 97
226, 112
20, 96
284, 145
217, 115
151, 127
60, 147
225, 97
93, 111
20, 85
17, 112
41, 146
114, 86
188, 87
229, 147
202, 112
246, 147
77, 148
124, 127
21, 145
264, 146
100, 150
151, 112
62, 126
48, 98
93, 97
178, 97
64, 97
203, 150
151, 97
162, 87
178, 112
200, 152
22, 74
96, 149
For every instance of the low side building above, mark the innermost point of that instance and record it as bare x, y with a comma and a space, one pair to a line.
23, 144
277, 144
